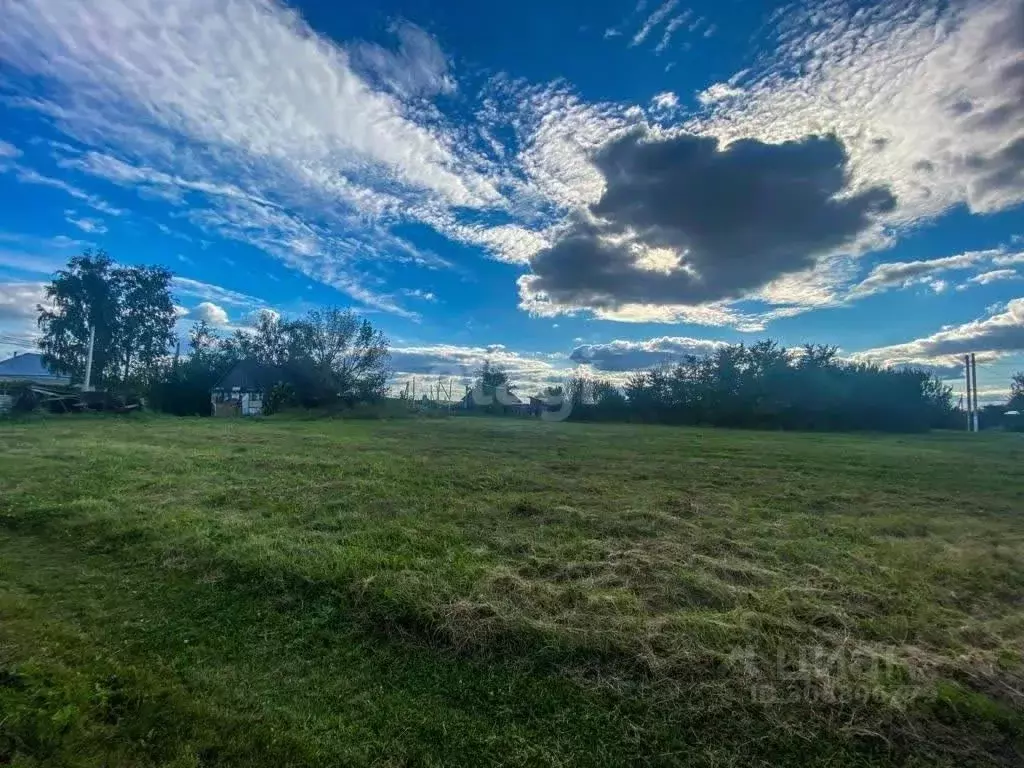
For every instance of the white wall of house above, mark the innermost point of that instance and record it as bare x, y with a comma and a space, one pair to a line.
249, 403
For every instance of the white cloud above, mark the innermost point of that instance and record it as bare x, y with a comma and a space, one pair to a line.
209, 312
891, 83
8, 150
30, 176
718, 314
822, 285
1008, 259
184, 286
991, 337
18, 312
242, 75
32, 254
903, 274
665, 100
458, 365
18, 301
556, 132
288, 144
418, 293
674, 23
312, 150
91, 226
718, 92
993, 276
926, 98
419, 67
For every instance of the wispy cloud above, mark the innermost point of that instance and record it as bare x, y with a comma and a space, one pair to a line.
280, 123
184, 286
31, 176
994, 276
670, 29
90, 226
418, 68
903, 274
317, 151
652, 21
8, 150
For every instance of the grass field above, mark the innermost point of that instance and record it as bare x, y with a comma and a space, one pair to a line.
482, 592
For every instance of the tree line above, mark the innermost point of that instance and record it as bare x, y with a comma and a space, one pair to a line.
331, 355
328, 356
766, 385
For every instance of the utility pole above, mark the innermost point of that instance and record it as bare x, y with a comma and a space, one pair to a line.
967, 369
974, 380
88, 360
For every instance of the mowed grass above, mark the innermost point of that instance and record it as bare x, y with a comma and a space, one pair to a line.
501, 592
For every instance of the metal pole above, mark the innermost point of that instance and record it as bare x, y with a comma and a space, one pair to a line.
974, 378
967, 368
88, 359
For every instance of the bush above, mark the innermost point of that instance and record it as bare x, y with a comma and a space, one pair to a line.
281, 396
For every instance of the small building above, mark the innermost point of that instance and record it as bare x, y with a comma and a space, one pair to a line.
243, 389
28, 368
23, 369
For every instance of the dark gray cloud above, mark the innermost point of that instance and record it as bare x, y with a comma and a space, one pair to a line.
632, 355
743, 215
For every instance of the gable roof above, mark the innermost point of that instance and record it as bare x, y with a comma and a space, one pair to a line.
253, 376
29, 367
511, 399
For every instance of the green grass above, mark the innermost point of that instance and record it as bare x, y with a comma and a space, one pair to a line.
484, 592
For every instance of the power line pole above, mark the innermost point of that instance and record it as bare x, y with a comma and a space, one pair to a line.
967, 370
974, 379
88, 359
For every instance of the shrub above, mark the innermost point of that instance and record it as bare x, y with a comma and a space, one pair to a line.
280, 396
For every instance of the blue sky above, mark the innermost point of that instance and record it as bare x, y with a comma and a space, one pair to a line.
609, 184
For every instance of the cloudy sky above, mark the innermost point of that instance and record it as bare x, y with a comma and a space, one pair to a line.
610, 184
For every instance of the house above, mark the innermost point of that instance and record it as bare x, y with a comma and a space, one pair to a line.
243, 389
509, 403
25, 369
29, 369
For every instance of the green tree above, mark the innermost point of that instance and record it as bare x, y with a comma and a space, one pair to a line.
129, 308
145, 319
490, 377
268, 343
1016, 392
346, 355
